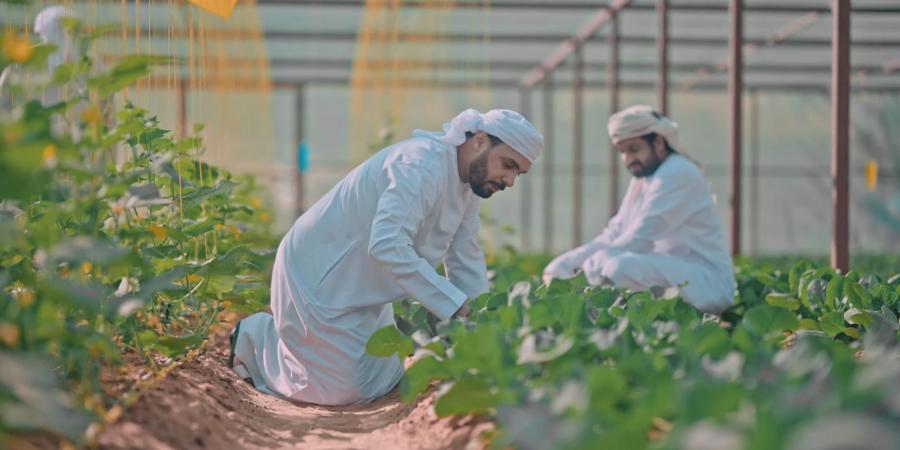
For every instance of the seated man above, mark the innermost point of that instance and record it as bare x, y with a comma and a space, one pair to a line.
666, 232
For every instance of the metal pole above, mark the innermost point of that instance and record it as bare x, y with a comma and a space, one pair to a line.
662, 47
525, 210
578, 144
612, 85
181, 119
735, 87
754, 171
548, 163
840, 120
299, 136
585, 32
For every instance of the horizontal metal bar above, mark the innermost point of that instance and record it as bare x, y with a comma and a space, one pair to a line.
388, 36
773, 7
249, 83
414, 64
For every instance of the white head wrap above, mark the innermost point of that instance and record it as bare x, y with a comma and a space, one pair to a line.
48, 25
639, 120
511, 127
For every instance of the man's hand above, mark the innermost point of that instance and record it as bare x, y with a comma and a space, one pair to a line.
463, 311
561, 267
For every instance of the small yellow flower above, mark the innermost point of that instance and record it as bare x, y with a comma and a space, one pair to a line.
91, 115
113, 414
95, 350
9, 334
871, 175
48, 156
157, 231
234, 230
23, 296
193, 278
86, 267
16, 48
256, 202
264, 218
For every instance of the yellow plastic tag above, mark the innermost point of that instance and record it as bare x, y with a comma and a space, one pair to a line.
871, 175
220, 8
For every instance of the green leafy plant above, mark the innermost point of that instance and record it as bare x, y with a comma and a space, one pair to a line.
114, 238
575, 366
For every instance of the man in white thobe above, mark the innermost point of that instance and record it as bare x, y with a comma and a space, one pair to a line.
374, 238
666, 232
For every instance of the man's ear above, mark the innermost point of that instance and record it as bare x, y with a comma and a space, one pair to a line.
659, 144
481, 139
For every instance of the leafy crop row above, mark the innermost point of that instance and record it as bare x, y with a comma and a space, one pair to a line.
806, 358
114, 237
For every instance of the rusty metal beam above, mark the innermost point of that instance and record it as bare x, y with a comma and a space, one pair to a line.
290, 83
585, 32
549, 150
386, 36
612, 86
735, 91
525, 208
662, 49
709, 6
840, 134
299, 137
754, 172
578, 143
382, 64
181, 113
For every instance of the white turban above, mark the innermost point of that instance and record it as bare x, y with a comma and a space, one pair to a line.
509, 126
639, 120
48, 24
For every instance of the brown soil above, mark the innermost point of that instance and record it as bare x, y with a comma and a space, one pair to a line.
202, 404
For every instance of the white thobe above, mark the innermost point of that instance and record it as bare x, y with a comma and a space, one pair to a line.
665, 234
374, 238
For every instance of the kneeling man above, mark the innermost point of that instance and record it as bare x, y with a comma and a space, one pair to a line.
666, 232
374, 238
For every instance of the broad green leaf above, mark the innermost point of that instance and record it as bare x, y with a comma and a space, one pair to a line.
764, 319
852, 332
172, 345
783, 301
807, 324
419, 376
387, 341
220, 284
467, 396
831, 323
834, 291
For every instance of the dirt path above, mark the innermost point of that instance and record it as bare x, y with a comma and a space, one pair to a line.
204, 405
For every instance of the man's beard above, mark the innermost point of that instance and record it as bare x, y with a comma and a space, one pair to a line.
645, 170
478, 177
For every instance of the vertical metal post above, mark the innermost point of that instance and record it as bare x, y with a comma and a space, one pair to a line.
612, 85
578, 143
548, 163
299, 137
181, 114
840, 133
525, 209
662, 48
754, 172
735, 86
